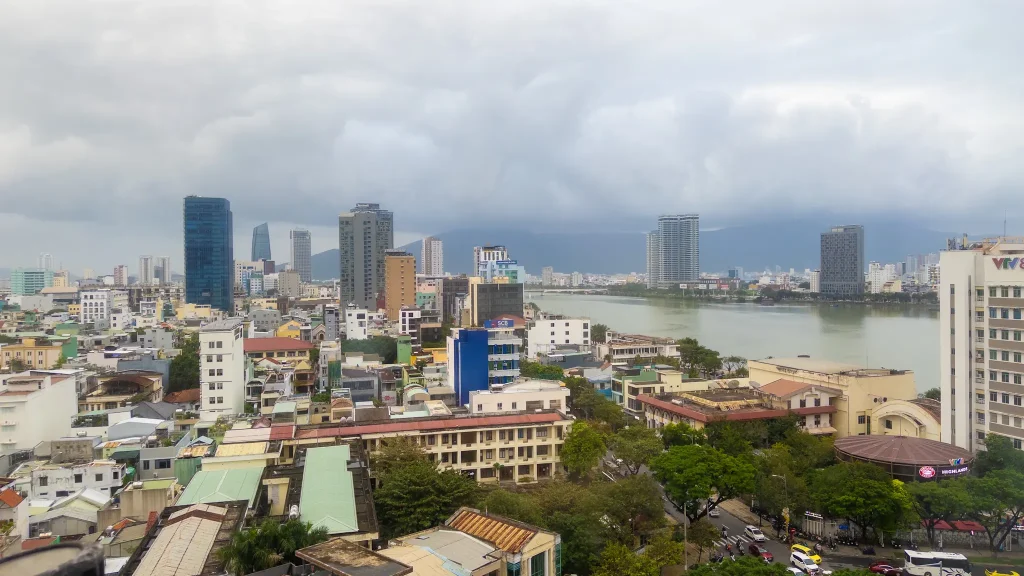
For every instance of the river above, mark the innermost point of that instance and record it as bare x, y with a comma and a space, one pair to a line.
901, 337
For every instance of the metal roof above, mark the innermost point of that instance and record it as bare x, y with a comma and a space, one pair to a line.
429, 424
211, 486
328, 494
242, 449
901, 450
184, 543
508, 536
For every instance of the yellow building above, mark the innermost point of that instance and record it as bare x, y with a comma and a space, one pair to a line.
263, 303
863, 389
183, 311
399, 282
33, 352
290, 329
75, 309
60, 279
917, 418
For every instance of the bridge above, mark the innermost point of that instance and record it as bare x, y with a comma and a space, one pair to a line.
567, 290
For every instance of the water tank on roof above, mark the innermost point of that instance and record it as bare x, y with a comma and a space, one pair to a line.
293, 512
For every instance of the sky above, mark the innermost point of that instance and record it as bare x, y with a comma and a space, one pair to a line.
545, 114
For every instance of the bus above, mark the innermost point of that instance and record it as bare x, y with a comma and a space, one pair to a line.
935, 564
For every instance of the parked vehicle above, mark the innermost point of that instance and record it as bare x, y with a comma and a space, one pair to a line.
806, 565
754, 534
756, 549
884, 568
713, 512
806, 552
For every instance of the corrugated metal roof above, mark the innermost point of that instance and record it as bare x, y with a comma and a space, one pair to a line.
242, 449
211, 486
181, 547
197, 451
328, 495
503, 534
236, 436
426, 425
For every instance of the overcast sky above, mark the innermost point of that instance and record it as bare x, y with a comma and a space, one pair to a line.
454, 114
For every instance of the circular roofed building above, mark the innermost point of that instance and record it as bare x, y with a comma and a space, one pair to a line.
906, 458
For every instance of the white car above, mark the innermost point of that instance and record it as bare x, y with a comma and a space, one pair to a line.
805, 564
713, 512
754, 534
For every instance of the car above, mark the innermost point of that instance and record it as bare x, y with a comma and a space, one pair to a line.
756, 549
713, 512
795, 571
998, 573
754, 533
803, 562
884, 568
806, 552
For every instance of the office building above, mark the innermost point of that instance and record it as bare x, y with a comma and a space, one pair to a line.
302, 254
222, 368
653, 259
209, 253
37, 407
288, 284
842, 261
96, 306
678, 249
981, 340
399, 282
162, 270
545, 335
147, 271
432, 257
481, 357
814, 279
61, 279
503, 271
547, 276
120, 275
484, 254
29, 281
454, 294
491, 301
261, 242
364, 235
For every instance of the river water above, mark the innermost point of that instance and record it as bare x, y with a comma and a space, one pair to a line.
901, 337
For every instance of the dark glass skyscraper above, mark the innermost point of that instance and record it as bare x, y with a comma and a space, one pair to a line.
261, 243
842, 261
209, 252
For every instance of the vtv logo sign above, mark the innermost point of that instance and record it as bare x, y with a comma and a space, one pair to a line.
1007, 263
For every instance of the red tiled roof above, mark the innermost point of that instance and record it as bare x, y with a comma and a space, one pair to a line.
426, 425
282, 432
10, 498
33, 543
274, 344
735, 416
183, 396
967, 526
784, 388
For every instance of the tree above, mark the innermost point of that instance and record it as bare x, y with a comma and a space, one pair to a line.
598, 333
809, 452
529, 369
513, 505
743, 566
582, 449
733, 363
17, 365
60, 362
394, 452
681, 434
383, 346
999, 454
933, 394
804, 285
777, 483
414, 496
997, 503
635, 446
268, 544
185, 366
704, 534
619, 560
633, 508
728, 437
869, 498
691, 474
664, 551
314, 357
938, 502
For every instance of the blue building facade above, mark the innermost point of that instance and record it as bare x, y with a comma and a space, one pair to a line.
481, 357
261, 243
209, 253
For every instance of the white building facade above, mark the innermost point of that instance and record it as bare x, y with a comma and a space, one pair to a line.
96, 306
59, 480
356, 321
35, 407
981, 335
222, 368
523, 394
432, 256
814, 279
547, 333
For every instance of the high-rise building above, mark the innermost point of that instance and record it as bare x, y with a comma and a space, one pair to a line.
653, 259
302, 254
842, 261
491, 301
814, 279
209, 252
29, 281
399, 282
432, 257
547, 276
45, 261
454, 293
482, 356
147, 271
222, 373
120, 275
981, 342
261, 242
162, 270
679, 249
61, 279
482, 255
364, 235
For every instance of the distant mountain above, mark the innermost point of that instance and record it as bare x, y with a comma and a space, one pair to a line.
789, 244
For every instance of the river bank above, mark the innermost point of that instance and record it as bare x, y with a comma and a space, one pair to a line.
928, 300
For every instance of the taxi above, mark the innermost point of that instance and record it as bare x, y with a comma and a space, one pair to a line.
809, 552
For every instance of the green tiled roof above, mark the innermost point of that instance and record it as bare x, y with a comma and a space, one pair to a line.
328, 497
284, 407
212, 486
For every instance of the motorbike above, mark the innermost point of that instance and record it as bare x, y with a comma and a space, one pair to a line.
868, 550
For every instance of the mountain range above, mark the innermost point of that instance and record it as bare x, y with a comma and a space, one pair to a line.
789, 244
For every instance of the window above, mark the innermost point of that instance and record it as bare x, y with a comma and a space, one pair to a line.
212, 371
99, 477
1005, 335
817, 419
861, 419
220, 399
145, 464
1016, 313
888, 424
1016, 378
1005, 356
1016, 335
803, 403
116, 474
220, 357
993, 396
1016, 357
164, 464
479, 407
499, 405
1004, 313
78, 478
513, 405
1016, 292
1006, 377
1004, 291
209, 358
44, 481
992, 292
981, 435
220, 371
817, 401
212, 386
538, 565
992, 375
993, 355
1016, 400
992, 313
220, 385
220, 344
1017, 443
1006, 398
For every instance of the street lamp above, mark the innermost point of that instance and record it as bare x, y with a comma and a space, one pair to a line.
785, 509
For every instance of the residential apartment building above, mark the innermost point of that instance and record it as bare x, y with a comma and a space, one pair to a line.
302, 254
522, 394
289, 284
61, 279
28, 281
409, 320
454, 295
35, 407
120, 275
625, 347
356, 323
842, 261
261, 243
223, 369
491, 301
364, 235
399, 282
38, 353
653, 259
679, 249
122, 389
981, 339
432, 257
162, 270
484, 254
481, 357
96, 306
547, 276
814, 280
209, 253
863, 389
52, 481
546, 334
147, 271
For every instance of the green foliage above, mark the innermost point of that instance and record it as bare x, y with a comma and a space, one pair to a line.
665, 551
268, 544
513, 505
395, 452
704, 534
738, 438
383, 346
583, 449
598, 332
698, 360
17, 365
314, 357
999, 454
681, 434
778, 484
61, 361
185, 366
933, 393
619, 560
742, 566
414, 496
632, 508
7, 339
939, 502
635, 446
997, 503
809, 452
541, 371
691, 474
587, 403
869, 498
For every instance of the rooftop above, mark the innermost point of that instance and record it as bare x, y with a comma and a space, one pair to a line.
734, 404
507, 535
184, 540
274, 344
430, 423
902, 450
344, 558
221, 325
823, 366
438, 546
328, 496
784, 388
213, 486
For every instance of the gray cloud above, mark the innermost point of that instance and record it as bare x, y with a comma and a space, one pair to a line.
558, 112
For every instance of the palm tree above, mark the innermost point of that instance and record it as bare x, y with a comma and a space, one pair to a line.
268, 544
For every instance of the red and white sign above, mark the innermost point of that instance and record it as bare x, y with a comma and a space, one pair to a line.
926, 472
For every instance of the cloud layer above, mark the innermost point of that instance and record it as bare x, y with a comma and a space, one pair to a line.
549, 112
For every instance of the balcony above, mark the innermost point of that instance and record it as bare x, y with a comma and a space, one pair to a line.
979, 380
979, 339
